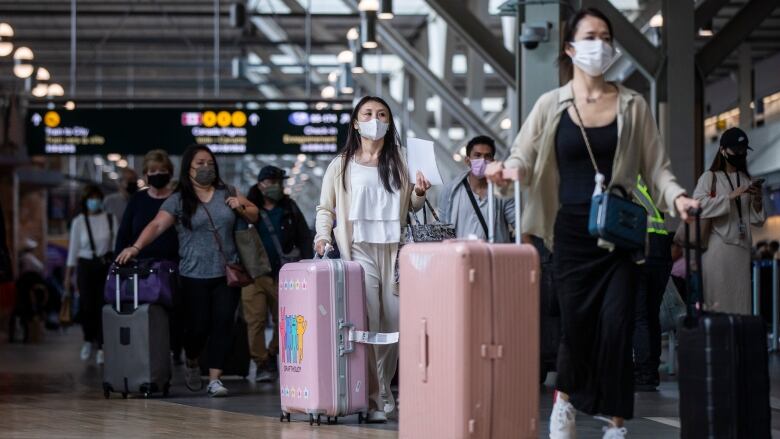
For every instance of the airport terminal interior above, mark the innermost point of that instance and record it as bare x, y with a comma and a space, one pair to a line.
116, 114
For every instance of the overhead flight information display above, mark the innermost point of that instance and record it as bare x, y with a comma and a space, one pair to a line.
224, 131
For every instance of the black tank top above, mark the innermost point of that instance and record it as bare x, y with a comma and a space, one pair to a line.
574, 166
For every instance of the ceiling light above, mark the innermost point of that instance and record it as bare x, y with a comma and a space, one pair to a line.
346, 57
122, 163
70, 105
42, 74
368, 5
40, 90
333, 76
56, 90
368, 30
321, 106
657, 20
347, 82
6, 33
353, 34
706, 33
23, 67
328, 92
386, 12
114, 157
506, 124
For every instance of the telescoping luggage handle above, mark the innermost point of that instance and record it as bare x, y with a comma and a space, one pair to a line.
509, 174
117, 272
694, 280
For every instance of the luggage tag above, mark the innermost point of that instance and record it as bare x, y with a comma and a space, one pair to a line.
742, 230
378, 338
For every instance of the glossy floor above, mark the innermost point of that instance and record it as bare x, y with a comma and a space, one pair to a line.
46, 391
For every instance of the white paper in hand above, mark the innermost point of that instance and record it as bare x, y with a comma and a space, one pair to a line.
420, 156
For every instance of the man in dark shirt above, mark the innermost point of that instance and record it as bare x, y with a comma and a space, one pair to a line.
286, 238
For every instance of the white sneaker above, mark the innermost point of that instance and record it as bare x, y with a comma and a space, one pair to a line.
99, 358
217, 390
611, 431
562, 420
376, 417
252, 375
86, 351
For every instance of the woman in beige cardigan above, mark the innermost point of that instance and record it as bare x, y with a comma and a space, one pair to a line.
595, 286
366, 193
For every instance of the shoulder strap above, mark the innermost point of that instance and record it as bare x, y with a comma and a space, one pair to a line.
216, 235
89, 234
599, 175
475, 205
110, 229
272, 230
713, 186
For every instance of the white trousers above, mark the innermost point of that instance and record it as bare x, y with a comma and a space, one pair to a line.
382, 305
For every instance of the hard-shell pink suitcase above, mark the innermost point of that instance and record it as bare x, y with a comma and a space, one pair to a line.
322, 372
469, 359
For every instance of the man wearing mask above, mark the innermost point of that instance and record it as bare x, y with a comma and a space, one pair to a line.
286, 238
464, 203
128, 185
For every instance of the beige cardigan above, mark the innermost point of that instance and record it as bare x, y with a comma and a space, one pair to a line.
639, 150
335, 202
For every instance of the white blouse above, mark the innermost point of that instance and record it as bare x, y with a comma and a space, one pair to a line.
104, 236
373, 211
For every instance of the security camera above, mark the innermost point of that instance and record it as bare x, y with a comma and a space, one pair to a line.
535, 33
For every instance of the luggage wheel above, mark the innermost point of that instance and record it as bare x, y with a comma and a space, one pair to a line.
106, 390
124, 395
284, 416
333, 421
319, 420
361, 418
311, 419
166, 390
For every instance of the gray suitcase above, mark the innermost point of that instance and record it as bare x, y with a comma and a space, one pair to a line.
136, 345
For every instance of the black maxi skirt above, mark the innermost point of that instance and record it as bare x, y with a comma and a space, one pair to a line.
596, 291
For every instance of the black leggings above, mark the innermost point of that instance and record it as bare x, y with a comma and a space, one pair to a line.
91, 280
210, 310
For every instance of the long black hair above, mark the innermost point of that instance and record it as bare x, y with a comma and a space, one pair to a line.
572, 24
91, 190
719, 163
392, 171
189, 199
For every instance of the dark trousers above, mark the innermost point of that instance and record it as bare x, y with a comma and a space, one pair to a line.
596, 291
91, 280
210, 309
653, 275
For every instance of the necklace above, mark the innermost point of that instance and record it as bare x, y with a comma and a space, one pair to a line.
592, 99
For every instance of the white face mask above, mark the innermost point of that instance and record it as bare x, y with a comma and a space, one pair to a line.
374, 129
593, 56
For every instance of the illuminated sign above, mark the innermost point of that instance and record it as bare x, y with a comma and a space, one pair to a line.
224, 131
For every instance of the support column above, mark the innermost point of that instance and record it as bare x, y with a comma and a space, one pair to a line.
745, 87
680, 109
540, 69
475, 71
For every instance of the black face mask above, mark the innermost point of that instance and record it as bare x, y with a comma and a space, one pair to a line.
738, 161
159, 181
131, 187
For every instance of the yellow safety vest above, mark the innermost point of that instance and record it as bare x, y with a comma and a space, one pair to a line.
655, 217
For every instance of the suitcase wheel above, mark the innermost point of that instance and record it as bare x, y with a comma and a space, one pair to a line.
284, 417
124, 395
333, 421
361, 418
311, 419
319, 420
106, 390
166, 390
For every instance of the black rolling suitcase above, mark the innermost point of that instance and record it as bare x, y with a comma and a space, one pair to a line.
723, 362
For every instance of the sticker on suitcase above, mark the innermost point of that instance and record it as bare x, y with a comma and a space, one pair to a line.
291, 333
294, 284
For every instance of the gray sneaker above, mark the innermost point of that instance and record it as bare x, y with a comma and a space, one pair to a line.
217, 390
192, 379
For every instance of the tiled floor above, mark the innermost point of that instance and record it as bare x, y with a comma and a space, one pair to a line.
46, 391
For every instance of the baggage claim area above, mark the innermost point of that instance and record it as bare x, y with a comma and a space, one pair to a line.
390, 218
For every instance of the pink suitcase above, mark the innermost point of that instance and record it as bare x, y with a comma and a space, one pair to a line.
322, 372
469, 359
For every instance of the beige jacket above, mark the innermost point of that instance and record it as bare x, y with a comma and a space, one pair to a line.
335, 202
723, 211
639, 151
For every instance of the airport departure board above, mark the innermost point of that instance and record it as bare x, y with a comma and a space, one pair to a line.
225, 131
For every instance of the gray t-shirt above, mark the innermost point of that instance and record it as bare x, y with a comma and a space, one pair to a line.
198, 249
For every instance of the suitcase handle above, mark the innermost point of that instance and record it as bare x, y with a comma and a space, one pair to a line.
509, 174
347, 347
423, 360
693, 280
118, 277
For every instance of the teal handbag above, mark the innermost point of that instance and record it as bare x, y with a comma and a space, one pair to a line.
614, 218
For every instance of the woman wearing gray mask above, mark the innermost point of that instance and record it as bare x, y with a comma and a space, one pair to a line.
368, 191
590, 133
210, 304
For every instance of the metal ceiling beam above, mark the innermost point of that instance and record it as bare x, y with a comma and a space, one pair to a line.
706, 10
647, 57
477, 36
748, 19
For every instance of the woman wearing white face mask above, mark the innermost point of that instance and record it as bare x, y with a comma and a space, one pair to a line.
595, 286
367, 190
